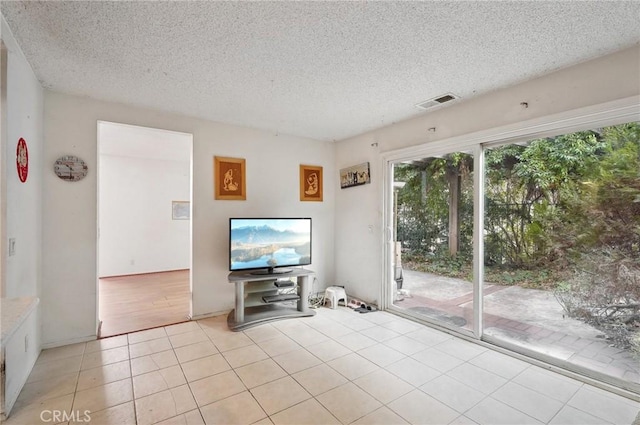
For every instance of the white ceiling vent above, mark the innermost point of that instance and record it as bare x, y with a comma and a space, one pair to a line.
437, 101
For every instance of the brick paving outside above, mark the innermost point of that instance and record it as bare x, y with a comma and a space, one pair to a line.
591, 352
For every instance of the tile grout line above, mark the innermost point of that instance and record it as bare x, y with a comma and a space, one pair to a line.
133, 392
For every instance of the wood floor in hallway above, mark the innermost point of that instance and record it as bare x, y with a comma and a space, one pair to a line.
143, 301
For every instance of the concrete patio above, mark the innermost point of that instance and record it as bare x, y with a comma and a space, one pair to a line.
527, 317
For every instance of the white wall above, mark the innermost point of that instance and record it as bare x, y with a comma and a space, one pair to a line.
21, 209
69, 225
137, 232
359, 255
23, 203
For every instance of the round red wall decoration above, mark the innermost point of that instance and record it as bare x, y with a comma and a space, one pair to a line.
22, 160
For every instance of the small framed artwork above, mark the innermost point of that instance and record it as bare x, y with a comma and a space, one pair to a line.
180, 210
355, 176
229, 178
310, 183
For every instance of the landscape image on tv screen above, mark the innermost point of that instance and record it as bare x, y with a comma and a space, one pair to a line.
269, 243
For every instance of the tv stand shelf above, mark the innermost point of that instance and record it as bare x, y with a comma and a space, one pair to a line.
251, 310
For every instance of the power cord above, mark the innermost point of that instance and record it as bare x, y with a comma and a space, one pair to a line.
315, 299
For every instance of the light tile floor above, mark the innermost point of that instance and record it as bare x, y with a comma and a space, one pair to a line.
336, 367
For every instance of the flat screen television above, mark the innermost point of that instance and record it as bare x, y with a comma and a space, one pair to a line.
269, 245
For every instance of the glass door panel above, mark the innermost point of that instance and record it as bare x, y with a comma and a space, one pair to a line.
433, 239
562, 249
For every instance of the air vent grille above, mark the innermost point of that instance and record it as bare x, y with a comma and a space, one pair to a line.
445, 98
436, 101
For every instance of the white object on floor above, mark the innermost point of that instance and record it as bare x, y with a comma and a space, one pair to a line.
334, 294
405, 292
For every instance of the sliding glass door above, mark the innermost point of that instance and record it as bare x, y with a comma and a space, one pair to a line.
531, 244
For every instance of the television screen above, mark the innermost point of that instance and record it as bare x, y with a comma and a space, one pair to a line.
269, 243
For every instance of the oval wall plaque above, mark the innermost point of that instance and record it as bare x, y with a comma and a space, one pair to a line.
22, 160
70, 168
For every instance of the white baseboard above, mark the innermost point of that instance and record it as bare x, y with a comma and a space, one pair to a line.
55, 344
208, 315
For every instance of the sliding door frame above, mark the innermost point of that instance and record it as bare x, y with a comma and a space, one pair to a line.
607, 114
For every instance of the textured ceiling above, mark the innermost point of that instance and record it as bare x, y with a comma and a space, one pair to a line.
324, 70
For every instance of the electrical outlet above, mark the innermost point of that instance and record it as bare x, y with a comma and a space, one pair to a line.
133, 262
12, 246
26, 343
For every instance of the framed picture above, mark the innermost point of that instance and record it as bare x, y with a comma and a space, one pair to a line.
180, 210
310, 183
229, 178
355, 176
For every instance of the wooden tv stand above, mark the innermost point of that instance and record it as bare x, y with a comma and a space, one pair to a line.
252, 310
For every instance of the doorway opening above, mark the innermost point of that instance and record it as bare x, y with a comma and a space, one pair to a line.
144, 228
